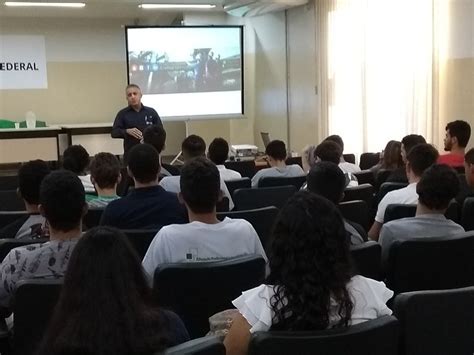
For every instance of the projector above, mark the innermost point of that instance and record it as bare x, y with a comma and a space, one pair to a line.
243, 151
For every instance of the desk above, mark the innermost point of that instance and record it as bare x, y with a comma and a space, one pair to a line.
20, 145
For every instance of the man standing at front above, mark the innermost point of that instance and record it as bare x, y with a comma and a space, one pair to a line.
131, 121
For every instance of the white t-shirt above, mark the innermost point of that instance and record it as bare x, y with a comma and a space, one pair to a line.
406, 195
288, 171
171, 184
197, 241
349, 167
368, 296
228, 174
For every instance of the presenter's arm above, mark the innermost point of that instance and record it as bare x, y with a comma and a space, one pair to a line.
118, 129
157, 121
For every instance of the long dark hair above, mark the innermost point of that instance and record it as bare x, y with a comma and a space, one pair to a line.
310, 265
104, 305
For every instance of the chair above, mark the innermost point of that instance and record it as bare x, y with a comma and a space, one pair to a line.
397, 211
249, 199
381, 177
34, 304
6, 245
140, 239
350, 158
11, 201
7, 217
294, 160
8, 182
92, 218
431, 263
364, 192
246, 168
296, 181
374, 337
436, 322
355, 211
365, 177
261, 219
366, 258
201, 346
243, 183
196, 291
385, 188
467, 215
223, 205
368, 160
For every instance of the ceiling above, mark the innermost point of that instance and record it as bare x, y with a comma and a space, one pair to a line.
106, 9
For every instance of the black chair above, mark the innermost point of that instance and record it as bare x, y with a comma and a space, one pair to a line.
296, 181
350, 158
33, 307
381, 177
249, 199
294, 160
210, 345
243, 183
173, 170
436, 322
245, 168
467, 216
6, 245
397, 211
365, 177
431, 263
385, 188
223, 205
7, 217
374, 337
140, 239
10, 201
92, 218
368, 160
8, 182
355, 211
196, 291
364, 192
261, 219
366, 259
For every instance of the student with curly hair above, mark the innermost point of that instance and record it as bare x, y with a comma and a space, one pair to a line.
311, 285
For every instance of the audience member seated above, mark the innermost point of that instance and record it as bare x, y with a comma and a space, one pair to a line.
33, 225
457, 136
420, 158
408, 142
469, 167
311, 285
62, 202
307, 158
330, 151
438, 185
390, 159
345, 166
218, 154
148, 206
155, 136
104, 306
276, 156
205, 238
76, 159
328, 180
105, 175
193, 146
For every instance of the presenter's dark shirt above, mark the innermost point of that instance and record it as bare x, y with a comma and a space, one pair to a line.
129, 118
145, 208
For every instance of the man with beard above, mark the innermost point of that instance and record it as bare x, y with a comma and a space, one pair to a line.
455, 142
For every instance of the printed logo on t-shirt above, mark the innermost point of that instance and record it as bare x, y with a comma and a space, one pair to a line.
192, 254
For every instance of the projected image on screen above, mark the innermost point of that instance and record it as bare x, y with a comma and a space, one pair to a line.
187, 71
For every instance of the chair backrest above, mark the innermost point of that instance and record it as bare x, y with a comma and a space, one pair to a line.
397, 211
368, 160
7, 217
8, 182
366, 259
431, 263
436, 322
364, 192
385, 188
140, 239
92, 218
261, 219
350, 158
196, 291
374, 337
365, 177
8, 244
467, 215
296, 181
243, 183
249, 199
246, 168
33, 307
10, 201
355, 211
294, 160
381, 177
210, 345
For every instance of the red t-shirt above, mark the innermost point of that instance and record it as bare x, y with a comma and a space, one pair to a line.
451, 159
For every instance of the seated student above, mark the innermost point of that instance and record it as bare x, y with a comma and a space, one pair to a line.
307, 157
390, 158
408, 142
330, 151
328, 180
344, 165
438, 185
218, 154
156, 137
457, 136
469, 167
63, 204
76, 159
205, 238
148, 206
104, 306
311, 285
193, 146
420, 158
105, 175
32, 225
276, 156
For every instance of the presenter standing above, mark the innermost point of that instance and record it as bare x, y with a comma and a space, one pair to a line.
131, 121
